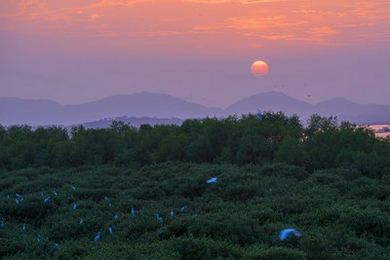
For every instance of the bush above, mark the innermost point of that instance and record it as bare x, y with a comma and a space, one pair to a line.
341, 214
284, 170
275, 253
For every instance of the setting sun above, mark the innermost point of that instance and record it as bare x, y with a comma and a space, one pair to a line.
259, 68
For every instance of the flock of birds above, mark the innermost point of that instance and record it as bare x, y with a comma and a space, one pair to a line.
283, 234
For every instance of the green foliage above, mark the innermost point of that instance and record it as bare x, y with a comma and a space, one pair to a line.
331, 181
273, 137
341, 214
276, 253
291, 151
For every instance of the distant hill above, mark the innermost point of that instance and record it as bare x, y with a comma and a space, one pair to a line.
143, 104
155, 106
32, 112
269, 101
357, 113
340, 107
133, 121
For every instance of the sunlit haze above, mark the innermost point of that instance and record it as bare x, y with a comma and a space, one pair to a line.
73, 51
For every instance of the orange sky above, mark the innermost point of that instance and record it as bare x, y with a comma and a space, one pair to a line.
80, 50
212, 26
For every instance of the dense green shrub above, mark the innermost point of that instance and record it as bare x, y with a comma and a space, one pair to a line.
148, 186
252, 139
341, 214
276, 253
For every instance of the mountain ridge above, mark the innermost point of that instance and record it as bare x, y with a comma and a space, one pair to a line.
163, 106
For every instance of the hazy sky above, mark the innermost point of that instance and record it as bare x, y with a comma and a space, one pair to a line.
74, 51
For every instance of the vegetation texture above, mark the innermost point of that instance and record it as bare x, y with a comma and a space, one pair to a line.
142, 193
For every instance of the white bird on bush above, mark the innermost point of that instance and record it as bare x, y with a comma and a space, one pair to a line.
212, 180
39, 238
97, 237
183, 208
172, 214
159, 218
285, 233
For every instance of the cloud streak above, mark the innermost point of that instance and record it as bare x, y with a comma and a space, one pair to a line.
333, 23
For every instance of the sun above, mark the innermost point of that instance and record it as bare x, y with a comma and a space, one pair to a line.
259, 68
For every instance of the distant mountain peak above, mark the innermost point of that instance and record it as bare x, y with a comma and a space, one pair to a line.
157, 105
141, 104
269, 101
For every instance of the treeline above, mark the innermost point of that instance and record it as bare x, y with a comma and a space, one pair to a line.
253, 139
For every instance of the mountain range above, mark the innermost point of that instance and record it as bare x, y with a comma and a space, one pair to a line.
152, 108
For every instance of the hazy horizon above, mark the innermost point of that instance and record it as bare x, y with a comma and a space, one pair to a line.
74, 52
199, 103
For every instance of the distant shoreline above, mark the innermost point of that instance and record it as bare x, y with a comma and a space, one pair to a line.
380, 130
